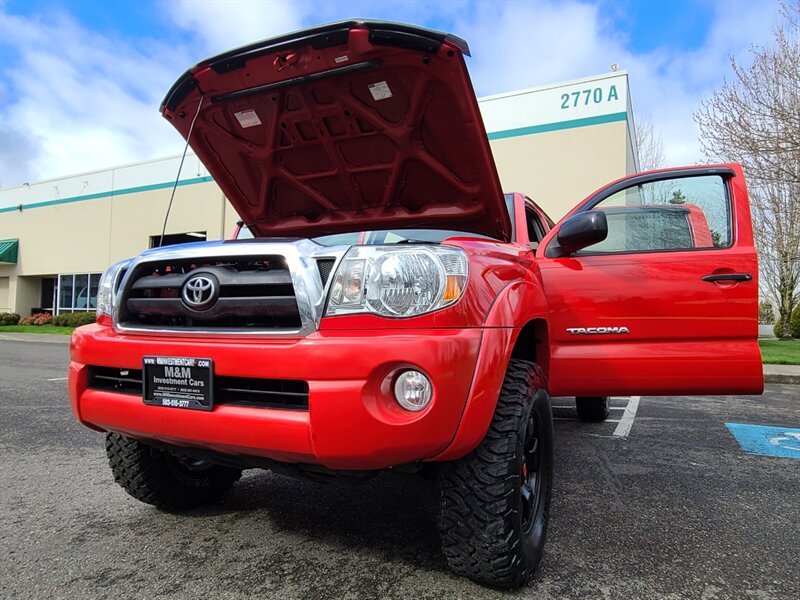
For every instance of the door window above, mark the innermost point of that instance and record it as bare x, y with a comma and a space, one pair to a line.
688, 213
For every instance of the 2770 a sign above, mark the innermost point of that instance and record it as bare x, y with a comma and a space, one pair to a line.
589, 96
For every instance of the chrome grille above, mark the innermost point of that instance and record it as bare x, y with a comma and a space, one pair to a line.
251, 293
269, 288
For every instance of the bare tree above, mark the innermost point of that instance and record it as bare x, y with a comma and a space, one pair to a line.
776, 214
754, 119
650, 146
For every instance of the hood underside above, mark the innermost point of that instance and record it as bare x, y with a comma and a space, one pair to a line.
350, 126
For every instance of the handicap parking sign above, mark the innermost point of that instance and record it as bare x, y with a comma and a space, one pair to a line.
766, 440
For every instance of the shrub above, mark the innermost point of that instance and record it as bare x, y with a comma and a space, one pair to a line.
43, 319
766, 315
9, 318
75, 319
40, 319
777, 330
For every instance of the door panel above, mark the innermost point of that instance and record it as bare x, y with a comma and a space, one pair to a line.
634, 314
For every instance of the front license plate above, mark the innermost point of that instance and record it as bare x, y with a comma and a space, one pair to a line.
178, 382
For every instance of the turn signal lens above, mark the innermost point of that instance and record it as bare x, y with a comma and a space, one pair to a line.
454, 287
348, 285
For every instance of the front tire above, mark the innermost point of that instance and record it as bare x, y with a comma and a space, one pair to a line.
496, 500
156, 477
592, 408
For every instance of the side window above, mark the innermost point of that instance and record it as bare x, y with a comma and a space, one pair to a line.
689, 213
535, 228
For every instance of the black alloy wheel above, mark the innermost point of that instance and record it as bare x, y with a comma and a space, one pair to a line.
531, 491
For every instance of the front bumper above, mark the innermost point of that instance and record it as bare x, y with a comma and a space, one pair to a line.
353, 421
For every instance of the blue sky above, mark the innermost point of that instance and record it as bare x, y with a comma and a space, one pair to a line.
80, 81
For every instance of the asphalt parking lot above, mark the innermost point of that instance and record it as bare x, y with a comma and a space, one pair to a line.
672, 508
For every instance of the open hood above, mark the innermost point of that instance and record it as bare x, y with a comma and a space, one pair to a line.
351, 126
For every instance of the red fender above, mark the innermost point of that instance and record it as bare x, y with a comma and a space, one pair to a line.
518, 304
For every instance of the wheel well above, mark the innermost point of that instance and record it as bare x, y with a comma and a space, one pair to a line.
532, 344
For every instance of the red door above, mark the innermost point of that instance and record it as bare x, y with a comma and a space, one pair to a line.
667, 303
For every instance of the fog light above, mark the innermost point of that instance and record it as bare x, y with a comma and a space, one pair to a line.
413, 390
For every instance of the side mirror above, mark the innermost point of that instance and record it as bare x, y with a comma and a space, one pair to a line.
578, 232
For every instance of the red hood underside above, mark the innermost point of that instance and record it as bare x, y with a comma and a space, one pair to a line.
346, 127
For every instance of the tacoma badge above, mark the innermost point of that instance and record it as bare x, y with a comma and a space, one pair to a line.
592, 330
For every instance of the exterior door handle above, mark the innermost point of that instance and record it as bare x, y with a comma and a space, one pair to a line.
727, 277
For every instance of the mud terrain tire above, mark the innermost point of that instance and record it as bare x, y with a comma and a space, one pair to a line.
496, 500
156, 477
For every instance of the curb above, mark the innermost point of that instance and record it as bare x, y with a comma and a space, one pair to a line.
781, 378
40, 338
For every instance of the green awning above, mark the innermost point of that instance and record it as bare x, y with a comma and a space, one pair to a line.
8, 251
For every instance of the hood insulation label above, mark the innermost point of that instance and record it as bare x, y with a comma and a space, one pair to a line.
247, 118
380, 90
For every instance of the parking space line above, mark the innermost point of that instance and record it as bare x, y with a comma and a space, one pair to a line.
58, 379
626, 422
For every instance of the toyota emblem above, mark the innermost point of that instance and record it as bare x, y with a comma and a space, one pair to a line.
200, 292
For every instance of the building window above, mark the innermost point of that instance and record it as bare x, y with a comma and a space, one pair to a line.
178, 238
77, 292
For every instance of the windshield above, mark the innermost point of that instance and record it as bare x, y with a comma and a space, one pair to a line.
393, 236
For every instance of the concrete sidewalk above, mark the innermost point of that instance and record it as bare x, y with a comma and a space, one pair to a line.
772, 373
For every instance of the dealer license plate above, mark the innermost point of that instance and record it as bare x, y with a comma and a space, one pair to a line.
178, 382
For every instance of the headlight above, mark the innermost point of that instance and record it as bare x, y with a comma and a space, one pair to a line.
107, 290
398, 282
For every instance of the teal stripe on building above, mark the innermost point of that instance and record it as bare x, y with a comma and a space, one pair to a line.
547, 127
122, 192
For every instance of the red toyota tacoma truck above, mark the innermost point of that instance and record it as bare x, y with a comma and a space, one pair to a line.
394, 309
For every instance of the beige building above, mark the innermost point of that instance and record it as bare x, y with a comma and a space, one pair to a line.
555, 143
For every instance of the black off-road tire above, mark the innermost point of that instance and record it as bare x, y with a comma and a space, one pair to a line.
492, 531
592, 408
156, 477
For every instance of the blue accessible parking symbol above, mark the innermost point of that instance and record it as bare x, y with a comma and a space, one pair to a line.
766, 440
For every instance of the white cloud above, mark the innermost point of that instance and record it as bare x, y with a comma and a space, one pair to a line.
80, 100
221, 26
76, 100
